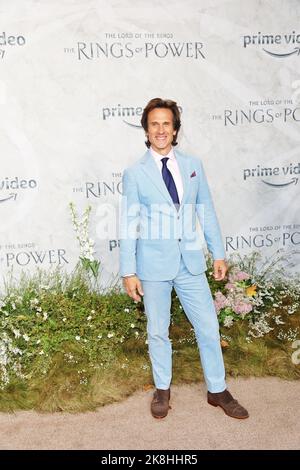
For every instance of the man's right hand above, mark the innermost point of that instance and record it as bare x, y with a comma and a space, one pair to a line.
133, 287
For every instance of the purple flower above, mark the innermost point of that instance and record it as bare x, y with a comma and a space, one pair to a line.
237, 276
220, 301
242, 276
229, 285
242, 308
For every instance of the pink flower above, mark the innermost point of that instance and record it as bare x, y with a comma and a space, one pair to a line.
242, 308
242, 276
220, 301
237, 276
229, 285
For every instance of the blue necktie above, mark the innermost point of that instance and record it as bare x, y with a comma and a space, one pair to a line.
168, 179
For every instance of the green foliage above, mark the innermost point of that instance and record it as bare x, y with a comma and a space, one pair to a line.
66, 345
41, 320
92, 266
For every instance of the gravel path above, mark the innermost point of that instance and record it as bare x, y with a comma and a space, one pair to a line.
274, 423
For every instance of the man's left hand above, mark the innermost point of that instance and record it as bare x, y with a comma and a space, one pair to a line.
220, 269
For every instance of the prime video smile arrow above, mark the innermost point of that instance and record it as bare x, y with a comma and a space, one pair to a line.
296, 51
11, 196
132, 125
293, 181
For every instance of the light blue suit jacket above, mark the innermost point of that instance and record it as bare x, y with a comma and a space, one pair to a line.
153, 234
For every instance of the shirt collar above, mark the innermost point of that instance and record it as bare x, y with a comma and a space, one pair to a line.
157, 156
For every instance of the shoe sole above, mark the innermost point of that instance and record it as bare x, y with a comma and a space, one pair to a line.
231, 416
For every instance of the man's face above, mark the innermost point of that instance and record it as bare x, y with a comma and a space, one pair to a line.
161, 130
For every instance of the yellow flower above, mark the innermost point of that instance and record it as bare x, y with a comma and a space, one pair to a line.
251, 291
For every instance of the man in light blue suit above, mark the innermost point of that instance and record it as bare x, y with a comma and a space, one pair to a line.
167, 216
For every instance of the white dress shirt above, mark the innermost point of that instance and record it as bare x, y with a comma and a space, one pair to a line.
172, 165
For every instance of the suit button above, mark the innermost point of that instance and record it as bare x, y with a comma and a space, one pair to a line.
178, 217
179, 239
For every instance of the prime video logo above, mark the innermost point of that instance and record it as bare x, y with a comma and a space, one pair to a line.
266, 172
11, 187
126, 113
123, 112
267, 40
6, 40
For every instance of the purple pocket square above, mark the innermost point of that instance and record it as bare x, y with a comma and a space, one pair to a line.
193, 174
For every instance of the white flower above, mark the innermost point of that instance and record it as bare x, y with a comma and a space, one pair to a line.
41, 353
17, 333
228, 321
290, 335
89, 318
93, 311
86, 247
26, 337
77, 338
45, 316
38, 341
43, 286
64, 319
260, 327
126, 310
278, 320
99, 336
132, 325
110, 335
292, 310
81, 228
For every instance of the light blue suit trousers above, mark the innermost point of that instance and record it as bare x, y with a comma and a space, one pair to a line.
196, 299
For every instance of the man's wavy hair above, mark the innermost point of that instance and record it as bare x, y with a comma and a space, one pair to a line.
161, 103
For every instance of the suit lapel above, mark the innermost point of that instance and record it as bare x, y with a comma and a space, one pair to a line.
183, 168
150, 168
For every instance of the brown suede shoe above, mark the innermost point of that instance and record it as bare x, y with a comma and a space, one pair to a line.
160, 403
226, 401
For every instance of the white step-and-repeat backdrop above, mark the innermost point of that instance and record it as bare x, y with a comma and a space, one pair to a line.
74, 78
